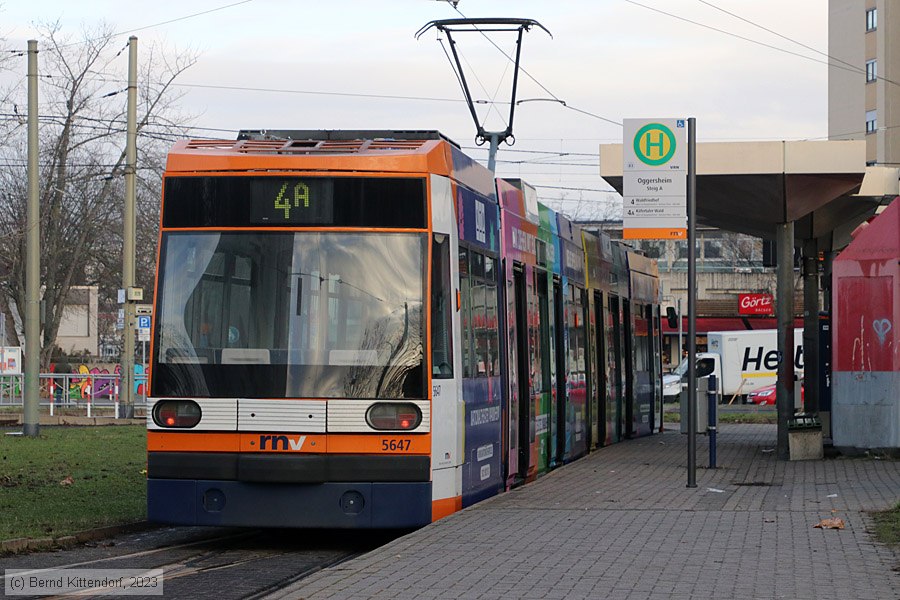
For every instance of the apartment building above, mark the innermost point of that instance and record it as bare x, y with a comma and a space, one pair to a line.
863, 77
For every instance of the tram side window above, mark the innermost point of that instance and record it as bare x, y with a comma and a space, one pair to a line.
641, 341
441, 338
465, 312
546, 341
575, 367
491, 354
480, 323
535, 322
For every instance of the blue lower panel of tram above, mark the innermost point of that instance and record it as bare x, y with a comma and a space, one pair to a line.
326, 505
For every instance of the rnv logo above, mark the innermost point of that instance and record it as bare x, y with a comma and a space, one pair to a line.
281, 442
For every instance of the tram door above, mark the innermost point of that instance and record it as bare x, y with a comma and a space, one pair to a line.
617, 366
600, 369
524, 373
559, 426
629, 368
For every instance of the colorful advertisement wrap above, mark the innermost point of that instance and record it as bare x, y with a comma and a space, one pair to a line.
478, 219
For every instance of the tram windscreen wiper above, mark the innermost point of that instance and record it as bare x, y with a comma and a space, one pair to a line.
299, 294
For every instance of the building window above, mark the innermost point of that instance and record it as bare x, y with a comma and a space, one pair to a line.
712, 249
872, 19
871, 70
871, 121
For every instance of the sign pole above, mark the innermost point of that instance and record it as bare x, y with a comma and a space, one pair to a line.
692, 303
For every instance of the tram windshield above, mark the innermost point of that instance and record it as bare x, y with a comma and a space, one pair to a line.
285, 314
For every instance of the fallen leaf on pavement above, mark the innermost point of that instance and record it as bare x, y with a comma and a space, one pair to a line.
832, 523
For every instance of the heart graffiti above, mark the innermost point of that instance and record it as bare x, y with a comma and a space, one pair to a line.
882, 327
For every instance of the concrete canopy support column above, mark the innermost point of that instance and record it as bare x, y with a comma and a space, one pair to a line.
784, 310
811, 366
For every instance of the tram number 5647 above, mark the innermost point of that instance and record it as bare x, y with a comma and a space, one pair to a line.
395, 445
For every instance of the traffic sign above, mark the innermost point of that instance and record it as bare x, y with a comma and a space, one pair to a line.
143, 328
143, 309
654, 179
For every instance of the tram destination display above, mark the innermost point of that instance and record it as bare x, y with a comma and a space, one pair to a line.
282, 201
294, 201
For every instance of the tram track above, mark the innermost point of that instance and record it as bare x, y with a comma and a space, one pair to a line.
244, 564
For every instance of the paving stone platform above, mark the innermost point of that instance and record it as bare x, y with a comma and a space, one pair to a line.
621, 524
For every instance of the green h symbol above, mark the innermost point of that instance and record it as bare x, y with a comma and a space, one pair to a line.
650, 136
658, 144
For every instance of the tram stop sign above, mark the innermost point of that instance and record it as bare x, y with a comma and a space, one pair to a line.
654, 182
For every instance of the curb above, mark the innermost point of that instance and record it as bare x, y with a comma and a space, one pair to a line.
26, 545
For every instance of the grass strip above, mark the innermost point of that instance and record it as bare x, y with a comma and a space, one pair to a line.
755, 418
887, 526
70, 479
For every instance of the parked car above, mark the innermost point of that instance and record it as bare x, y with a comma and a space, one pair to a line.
706, 364
765, 396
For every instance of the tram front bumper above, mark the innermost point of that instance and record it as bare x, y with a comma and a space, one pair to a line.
355, 505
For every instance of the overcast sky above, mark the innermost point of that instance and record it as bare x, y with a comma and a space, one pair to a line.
613, 59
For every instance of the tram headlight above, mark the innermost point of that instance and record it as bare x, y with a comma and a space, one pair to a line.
177, 414
393, 416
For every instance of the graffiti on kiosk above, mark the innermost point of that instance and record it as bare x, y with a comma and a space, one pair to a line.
90, 382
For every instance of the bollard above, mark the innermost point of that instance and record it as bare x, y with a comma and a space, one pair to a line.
711, 397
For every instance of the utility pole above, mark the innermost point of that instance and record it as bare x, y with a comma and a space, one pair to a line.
128, 237
31, 403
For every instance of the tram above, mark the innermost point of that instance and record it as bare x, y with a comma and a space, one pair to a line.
363, 329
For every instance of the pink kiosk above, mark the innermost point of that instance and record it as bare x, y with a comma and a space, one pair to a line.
866, 319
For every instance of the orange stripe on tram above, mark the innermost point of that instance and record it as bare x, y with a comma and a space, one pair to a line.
445, 507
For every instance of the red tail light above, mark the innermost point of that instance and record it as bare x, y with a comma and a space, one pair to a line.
178, 414
400, 416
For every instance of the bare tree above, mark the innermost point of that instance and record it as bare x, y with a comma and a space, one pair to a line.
739, 250
82, 156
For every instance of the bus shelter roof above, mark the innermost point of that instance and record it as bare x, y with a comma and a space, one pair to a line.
825, 187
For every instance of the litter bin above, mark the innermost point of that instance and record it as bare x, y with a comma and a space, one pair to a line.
805, 437
702, 406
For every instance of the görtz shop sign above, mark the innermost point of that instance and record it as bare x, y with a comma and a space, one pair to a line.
755, 304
